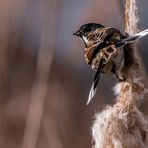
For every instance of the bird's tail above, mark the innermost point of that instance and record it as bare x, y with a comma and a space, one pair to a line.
132, 38
95, 82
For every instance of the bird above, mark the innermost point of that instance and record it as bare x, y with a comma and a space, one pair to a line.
104, 50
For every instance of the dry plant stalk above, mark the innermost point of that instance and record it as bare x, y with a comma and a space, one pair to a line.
123, 125
40, 85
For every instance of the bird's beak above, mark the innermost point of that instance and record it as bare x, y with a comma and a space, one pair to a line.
77, 33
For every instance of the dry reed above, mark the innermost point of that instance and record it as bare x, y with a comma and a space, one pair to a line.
123, 125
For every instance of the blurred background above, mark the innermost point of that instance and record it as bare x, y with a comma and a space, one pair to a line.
44, 81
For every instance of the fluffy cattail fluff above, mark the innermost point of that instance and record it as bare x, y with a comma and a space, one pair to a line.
123, 125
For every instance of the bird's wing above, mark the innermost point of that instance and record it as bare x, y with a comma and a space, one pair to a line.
95, 82
107, 36
90, 52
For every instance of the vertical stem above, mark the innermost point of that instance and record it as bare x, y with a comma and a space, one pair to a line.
123, 125
40, 85
131, 17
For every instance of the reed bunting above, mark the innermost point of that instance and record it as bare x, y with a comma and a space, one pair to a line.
104, 50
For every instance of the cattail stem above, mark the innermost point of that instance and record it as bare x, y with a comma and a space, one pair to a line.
123, 125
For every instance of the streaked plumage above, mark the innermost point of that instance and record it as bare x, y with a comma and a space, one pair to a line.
104, 50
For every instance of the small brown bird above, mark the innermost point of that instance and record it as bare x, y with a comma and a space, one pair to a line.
103, 50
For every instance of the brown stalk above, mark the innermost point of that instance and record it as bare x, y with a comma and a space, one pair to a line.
40, 86
123, 125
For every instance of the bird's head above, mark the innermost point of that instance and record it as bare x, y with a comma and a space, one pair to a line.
86, 31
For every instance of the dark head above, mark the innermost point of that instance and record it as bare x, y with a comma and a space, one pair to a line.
86, 30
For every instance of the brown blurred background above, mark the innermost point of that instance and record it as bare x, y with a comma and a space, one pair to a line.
44, 81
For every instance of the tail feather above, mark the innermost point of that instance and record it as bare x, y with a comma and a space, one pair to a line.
93, 89
142, 33
95, 82
132, 38
91, 93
